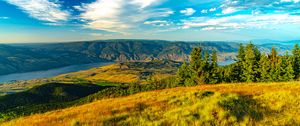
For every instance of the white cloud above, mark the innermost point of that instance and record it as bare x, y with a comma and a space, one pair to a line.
79, 8
212, 9
120, 15
229, 10
204, 11
241, 22
188, 11
145, 3
44, 10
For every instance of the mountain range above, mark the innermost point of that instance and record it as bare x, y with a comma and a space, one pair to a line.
18, 58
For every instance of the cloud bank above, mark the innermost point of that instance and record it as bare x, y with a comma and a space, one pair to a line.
44, 10
121, 15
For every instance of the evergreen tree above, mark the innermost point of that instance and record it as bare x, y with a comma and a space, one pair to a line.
287, 68
257, 54
273, 55
206, 68
238, 69
182, 74
196, 59
196, 67
296, 60
257, 65
241, 54
264, 68
214, 59
215, 71
275, 65
207, 61
249, 64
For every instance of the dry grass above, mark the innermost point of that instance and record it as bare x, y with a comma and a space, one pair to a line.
113, 73
180, 106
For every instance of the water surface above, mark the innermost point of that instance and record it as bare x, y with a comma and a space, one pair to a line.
49, 73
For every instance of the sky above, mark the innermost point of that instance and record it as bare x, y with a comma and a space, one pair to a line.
187, 20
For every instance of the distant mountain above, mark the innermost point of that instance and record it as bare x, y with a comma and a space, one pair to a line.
16, 58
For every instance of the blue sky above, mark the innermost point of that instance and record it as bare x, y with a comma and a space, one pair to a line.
191, 20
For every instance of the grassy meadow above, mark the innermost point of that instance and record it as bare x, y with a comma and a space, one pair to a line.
129, 72
222, 104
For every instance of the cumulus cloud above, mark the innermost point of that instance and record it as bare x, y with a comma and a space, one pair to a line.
120, 15
44, 10
188, 11
241, 22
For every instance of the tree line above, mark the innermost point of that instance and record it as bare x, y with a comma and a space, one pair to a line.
251, 66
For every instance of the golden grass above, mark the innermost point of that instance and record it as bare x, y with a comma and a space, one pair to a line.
112, 73
181, 106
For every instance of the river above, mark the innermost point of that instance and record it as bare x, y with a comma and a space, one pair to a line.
49, 73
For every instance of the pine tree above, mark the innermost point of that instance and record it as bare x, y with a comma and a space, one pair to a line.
241, 53
214, 59
287, 68
249, 64
207, 61
275, 63
257, 54
264, 68
215, 71
296, 61
196, 59
183, 74
238, 69
196, 67
273, 55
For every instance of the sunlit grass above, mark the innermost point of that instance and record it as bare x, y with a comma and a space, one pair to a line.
223, 104
116, 73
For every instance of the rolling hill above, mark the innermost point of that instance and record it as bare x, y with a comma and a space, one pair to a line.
224, 104
125, 72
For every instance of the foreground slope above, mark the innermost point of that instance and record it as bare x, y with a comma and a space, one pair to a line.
225, 104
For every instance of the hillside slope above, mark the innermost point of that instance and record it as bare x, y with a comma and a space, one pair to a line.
225, 104
127, 72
